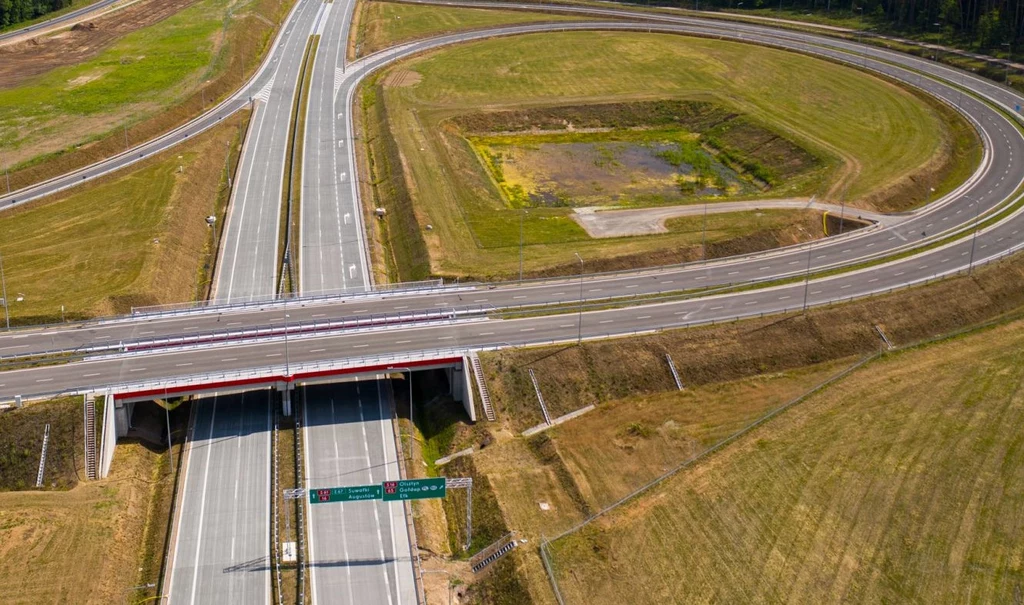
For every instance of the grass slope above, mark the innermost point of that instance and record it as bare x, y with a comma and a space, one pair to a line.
148, 82
873, 135
903, 483
385, 24
84, 545
21, 442
137, 237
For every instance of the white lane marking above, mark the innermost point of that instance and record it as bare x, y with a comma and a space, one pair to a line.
527, 329
137, 370
442, 338
182, 365
273, 354
606, 321
44, 380
359, 346
230, 359
402, 342
717, 308
486, 334
644, 317
87, 375
317, 350
633, 286
202, 500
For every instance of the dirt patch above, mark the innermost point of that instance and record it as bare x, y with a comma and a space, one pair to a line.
19, 62
401, 78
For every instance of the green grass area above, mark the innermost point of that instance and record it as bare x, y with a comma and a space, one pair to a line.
136, 237
902, 483
21, 442
151, 66
385, 24
869, 134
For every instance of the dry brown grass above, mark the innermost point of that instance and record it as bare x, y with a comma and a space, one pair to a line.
572, 377
82, 545
136, 237
902, 483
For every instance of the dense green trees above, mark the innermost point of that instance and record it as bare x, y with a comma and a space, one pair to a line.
16, 11
984, 24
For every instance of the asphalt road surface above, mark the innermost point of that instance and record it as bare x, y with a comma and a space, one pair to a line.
222, 548
995, 182
331, 248
360, 550
247, 266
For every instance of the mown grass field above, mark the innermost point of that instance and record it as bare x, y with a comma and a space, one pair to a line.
136, 237
145, 83
902, 483
380, 25
84, 545
873, 135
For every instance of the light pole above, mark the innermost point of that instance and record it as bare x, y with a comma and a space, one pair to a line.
521, 215
1009, 52
807, 276
287, 362
704, 235
974, 237
579, 335
3, 292
128, 591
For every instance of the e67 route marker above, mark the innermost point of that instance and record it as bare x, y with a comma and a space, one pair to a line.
345, 494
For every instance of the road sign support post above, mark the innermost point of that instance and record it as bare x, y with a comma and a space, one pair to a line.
467, 484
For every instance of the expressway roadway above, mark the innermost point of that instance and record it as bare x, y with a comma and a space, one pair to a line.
221, 550
993, 184
360, 551
331, 248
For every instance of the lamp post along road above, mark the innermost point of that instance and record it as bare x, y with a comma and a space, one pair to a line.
974, 237
3, 293
579, 335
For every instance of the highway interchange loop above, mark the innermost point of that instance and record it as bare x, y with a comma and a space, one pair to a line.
919, 248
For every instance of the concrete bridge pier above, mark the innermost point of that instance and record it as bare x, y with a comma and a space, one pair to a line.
286, 389
461, 389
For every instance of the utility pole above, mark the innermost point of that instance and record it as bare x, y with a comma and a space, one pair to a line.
125, 136
807, 276
3, 291
7, 175
521, 215
974, 238
704, 235
579, 336
287, 363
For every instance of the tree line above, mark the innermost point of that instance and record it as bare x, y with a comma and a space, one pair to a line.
16, 11
983, 24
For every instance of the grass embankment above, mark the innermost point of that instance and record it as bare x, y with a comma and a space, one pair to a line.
88, 544
136, 237
872, 135
21, 442
145, 84
600, 371
380, 25
904, 482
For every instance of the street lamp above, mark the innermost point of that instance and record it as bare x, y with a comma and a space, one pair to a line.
704, 235
3, 292
287, 362
521, 215
1009, 52
128, 591
974, 237
807, 276
579, 336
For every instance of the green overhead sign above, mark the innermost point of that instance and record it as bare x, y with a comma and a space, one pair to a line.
414, 489
345, 494
406, 489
